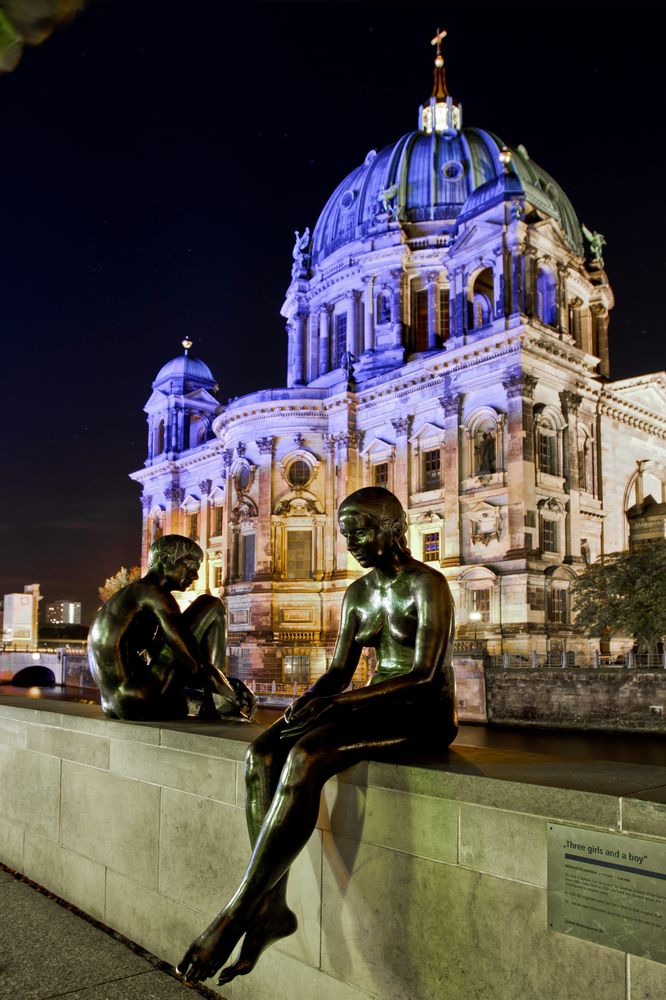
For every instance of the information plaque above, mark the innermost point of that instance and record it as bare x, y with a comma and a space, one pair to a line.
608, 888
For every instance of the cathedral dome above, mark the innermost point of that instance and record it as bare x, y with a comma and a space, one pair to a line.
438, 176
185, 374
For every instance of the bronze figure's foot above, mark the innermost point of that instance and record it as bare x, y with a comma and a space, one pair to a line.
269, 924
208, 953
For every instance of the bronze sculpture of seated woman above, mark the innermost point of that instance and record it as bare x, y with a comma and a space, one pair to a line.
404, 610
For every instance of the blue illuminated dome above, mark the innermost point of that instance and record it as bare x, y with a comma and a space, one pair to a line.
185, 374
439, 177
440, 173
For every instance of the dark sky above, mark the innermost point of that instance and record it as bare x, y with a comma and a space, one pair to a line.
157, 158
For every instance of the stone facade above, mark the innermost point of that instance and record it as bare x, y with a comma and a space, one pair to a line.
447, 326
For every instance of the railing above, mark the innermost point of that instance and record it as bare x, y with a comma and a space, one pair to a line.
568, 658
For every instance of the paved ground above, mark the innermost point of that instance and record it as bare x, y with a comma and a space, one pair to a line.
48, 951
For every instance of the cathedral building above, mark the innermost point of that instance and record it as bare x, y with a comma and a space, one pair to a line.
447, 326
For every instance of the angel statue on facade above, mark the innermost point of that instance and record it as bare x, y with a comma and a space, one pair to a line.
595, 243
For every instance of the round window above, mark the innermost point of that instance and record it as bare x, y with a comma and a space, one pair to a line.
243, 478
348, 199
452, 170
299, 473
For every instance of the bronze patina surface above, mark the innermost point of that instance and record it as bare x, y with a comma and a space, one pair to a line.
149, 659
404, 610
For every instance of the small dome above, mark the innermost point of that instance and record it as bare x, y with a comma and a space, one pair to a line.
184, 374
438, 177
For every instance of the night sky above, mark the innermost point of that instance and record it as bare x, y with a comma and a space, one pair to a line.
157, 158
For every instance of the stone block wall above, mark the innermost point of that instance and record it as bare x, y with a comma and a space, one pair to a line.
613, 699
420, 883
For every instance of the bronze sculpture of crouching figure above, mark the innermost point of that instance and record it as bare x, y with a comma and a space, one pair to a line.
152, 662
403, 608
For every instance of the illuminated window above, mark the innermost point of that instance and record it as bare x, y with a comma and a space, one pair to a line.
444, 314
558, 606
217, 520
217, 576
296, 669
431, 546
380, 474
421, 320
548, 452
247, 556
432, 469
299, 473
299, 555
193, 526
481, 604
549, 535
546, 304
340, 337
482, 299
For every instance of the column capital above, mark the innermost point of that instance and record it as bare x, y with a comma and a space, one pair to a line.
146, 502
451, 404
519, 383
570, 401
355, 294
174, 493
205, 487
265, 445
402, 425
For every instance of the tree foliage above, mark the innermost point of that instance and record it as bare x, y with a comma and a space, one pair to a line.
626, 593
118, 580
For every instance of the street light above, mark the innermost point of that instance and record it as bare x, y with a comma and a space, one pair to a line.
475, 616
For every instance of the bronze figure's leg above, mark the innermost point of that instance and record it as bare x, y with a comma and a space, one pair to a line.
289, 817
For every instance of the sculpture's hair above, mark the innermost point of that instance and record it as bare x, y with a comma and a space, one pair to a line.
168, 549
381, 506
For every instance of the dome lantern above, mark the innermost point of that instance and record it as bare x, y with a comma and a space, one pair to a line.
440, 114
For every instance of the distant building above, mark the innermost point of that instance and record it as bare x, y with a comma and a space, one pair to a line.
19, 624
447, 337
63, 613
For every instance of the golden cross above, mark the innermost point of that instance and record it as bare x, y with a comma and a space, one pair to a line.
437, 40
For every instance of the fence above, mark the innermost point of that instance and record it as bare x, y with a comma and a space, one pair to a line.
569, 658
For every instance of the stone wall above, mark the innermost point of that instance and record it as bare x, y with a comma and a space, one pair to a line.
420, 883
614, 699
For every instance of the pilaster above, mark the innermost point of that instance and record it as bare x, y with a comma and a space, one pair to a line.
402, 426
263, 554
369, 323
433, 326
325, 338
451, 408
519, 387
570, 406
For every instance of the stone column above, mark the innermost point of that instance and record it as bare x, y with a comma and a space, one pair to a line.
324, 338
174, 497
369, 325
263, 549
204, 488
397, 303
312, 365
433, 327
457, 302
530, 268
561, 299
146, 504
402, 426
451, 471
346, 478
299, 335
352, 322
600, 336
570, 405
519, 388
330, 562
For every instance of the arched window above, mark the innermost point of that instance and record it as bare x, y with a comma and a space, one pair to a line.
383, 308
546, 302
481, 303
197, 430
549, 426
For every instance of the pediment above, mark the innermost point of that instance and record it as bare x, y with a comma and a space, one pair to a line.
648, 391
377, 446
427, 430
